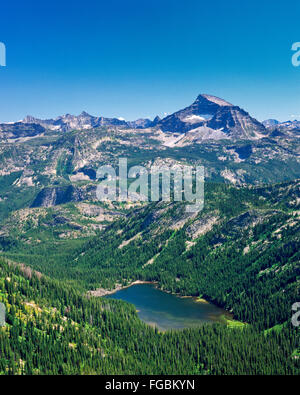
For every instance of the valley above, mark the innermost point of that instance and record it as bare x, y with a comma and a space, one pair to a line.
62, 250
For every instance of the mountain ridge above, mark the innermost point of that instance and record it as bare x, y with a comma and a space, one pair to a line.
209, 115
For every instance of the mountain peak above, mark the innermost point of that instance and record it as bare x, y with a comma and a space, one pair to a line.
215, 118
213, 99
84, 114
29, 119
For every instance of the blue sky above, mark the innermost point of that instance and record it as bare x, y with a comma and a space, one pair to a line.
141, 58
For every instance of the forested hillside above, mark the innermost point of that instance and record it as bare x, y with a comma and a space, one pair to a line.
241, 252
52, 329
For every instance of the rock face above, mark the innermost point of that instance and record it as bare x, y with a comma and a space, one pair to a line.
191, 117
237, 123
49, 197
155, 121
20, 129
214, 114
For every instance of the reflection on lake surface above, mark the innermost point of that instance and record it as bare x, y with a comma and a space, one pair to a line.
167, 311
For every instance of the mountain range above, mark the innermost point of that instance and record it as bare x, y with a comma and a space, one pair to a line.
287, 126
207, 118
232, 146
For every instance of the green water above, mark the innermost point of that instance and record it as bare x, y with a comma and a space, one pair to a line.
167, 311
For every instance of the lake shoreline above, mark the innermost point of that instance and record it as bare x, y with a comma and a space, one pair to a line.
227, 317
168, 310
101, 292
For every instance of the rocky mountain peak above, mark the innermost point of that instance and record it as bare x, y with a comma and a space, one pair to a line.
214, 118
213, 99
29, 119
85, 114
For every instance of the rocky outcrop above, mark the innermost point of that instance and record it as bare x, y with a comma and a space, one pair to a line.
52, 196
20, 129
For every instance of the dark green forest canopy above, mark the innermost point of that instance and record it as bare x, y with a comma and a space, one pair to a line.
52, 329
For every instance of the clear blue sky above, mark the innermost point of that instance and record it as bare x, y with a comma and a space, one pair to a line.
131, 59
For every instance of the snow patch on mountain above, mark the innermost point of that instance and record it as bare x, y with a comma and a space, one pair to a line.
193, 119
